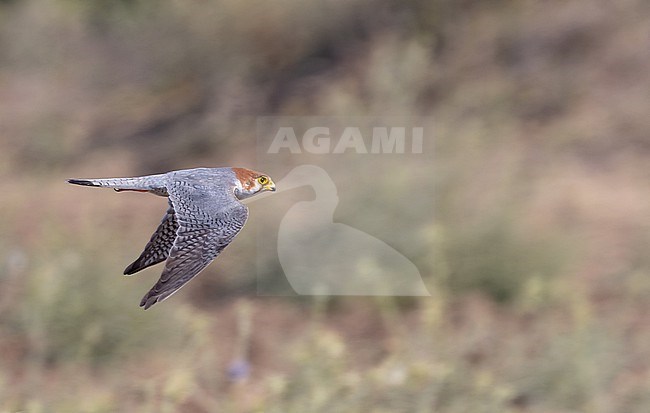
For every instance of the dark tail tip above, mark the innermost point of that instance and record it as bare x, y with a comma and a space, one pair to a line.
81, 182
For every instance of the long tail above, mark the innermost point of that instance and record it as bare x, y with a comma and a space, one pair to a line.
149, 183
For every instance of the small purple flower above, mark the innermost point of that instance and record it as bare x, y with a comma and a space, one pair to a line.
239, 370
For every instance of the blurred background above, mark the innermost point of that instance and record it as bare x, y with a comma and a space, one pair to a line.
537, 259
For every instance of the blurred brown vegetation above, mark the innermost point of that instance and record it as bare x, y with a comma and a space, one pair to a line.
536, 255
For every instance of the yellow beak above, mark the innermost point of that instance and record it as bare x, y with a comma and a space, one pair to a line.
270, 186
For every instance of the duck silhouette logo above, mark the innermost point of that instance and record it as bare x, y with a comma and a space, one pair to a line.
320, 256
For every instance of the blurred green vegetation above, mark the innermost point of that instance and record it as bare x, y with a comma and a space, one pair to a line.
534, 246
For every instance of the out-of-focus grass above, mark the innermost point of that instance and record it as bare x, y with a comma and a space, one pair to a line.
535, 248
60, 313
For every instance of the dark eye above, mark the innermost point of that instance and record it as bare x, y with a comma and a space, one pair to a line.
263, 180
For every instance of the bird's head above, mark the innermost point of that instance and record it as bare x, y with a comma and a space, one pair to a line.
249, 183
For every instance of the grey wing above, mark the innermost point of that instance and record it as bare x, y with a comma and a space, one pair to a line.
196, 245
158, 247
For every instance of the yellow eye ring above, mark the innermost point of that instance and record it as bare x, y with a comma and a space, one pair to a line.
263, 180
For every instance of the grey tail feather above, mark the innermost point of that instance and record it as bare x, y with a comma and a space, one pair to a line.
149, 183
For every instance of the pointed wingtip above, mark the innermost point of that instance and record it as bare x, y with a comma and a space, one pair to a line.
139, 265
130, 269
148, 300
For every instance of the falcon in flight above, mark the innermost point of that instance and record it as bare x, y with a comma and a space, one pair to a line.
204, 216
